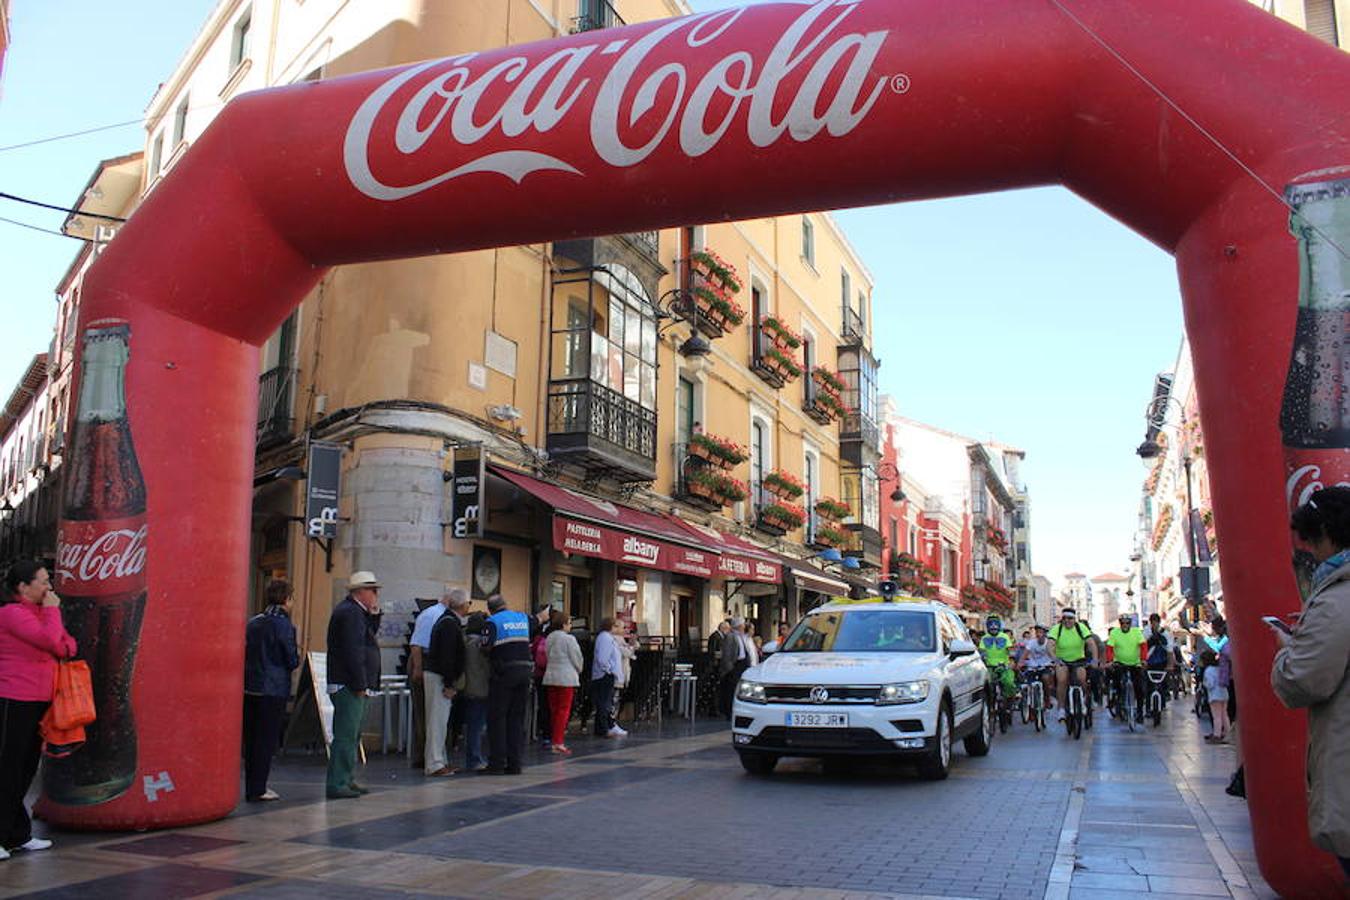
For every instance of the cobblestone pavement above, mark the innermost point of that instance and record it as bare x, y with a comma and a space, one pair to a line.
668, 813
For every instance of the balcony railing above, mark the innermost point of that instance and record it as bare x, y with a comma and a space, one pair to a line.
858, 427
685, 467
601, 430
276, 414
851, 328
595, 15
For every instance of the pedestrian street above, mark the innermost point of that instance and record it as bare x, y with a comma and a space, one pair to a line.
669, 813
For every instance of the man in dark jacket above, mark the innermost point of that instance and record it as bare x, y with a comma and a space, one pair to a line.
353, 675
270, 656
443, 677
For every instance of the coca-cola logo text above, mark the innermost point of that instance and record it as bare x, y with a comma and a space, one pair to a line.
546, 91
1303, 483
115, 554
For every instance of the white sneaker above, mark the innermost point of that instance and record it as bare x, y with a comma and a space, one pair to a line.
616, 731
1063, 715
4, 854
34, 844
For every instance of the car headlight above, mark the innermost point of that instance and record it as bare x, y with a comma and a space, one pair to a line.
904, 692
750, 692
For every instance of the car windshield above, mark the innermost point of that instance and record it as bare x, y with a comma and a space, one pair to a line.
860, 630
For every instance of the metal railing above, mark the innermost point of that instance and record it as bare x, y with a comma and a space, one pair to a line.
858, 427
595, 15
585, 407
852, 328
276, 392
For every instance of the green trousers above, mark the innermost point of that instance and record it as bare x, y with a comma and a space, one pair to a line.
349, 712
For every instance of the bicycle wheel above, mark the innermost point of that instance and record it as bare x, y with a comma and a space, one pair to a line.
1128, 701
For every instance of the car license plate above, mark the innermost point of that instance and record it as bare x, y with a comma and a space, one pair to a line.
817, 720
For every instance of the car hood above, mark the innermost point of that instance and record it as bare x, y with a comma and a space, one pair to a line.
843, 668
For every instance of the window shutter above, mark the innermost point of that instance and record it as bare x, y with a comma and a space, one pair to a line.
1321, 18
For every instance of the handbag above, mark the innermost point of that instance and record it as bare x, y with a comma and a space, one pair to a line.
73, 695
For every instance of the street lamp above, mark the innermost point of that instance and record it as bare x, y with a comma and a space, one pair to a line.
888, 472
677, 305
1150, 449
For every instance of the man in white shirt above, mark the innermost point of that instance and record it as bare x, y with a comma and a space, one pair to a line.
606, 671
738, 654
417, 645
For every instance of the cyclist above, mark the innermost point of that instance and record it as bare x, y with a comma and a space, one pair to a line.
1128, 642
1073, 651
1035, 661
996, 647
1160, 655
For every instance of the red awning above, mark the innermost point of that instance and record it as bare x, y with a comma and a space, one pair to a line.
738, 559
592, 526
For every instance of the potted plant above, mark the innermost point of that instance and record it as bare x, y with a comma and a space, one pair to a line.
828, 379
779, 332
831, 509
732, 490
782, 363
783, 515
829, 536
784, 485
713, 268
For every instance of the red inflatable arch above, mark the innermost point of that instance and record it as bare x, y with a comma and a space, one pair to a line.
1185, 120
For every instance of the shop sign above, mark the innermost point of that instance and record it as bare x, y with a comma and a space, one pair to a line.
590, 539
323, 485
466, 501
743, 568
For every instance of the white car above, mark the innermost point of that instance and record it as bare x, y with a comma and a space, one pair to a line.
864, 678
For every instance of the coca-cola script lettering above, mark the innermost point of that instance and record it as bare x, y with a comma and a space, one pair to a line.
546, 91
96, 565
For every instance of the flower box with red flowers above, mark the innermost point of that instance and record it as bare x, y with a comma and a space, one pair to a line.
718, 450
786, 516
828, 536
778, 331
831, 509
783, 484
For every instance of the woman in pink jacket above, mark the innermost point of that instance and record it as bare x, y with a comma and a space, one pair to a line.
32, 639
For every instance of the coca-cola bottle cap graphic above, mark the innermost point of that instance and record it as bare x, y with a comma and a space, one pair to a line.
101, 569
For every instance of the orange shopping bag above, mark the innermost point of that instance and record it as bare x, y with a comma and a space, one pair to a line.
73, 696
59, 742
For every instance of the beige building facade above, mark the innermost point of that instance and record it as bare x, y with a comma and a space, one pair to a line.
1328, 20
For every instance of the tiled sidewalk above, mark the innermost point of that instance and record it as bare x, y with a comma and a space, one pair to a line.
668, 813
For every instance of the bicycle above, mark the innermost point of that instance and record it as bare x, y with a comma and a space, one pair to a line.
999, 703
1158, 678
1033, 698
1077, 709
1125, 703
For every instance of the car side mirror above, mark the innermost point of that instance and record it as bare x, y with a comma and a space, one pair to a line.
958, 649
770, 647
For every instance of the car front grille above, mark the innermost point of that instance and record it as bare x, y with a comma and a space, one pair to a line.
856, 740
801, 693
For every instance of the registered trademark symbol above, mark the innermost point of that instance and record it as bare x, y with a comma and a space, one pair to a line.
900, 84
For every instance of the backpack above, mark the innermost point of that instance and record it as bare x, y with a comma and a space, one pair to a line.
539, 650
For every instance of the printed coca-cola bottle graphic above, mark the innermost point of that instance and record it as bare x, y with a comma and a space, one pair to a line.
101, 570
1315, 416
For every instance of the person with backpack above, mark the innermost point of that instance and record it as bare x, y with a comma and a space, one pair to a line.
473, 699
1072, 646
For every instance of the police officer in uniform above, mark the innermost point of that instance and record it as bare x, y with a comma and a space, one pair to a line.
508, 640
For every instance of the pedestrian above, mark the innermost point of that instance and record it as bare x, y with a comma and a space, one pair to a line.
443, 676
270, 656
32, 640
417, 648
473, 700
606, 670
508, 640
716, 640
562, 677
738, 654
1310, 669
627, 645
353, 675
783, 631
1218, 697
539, 628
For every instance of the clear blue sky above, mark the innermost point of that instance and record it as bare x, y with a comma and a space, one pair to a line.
1078, 311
